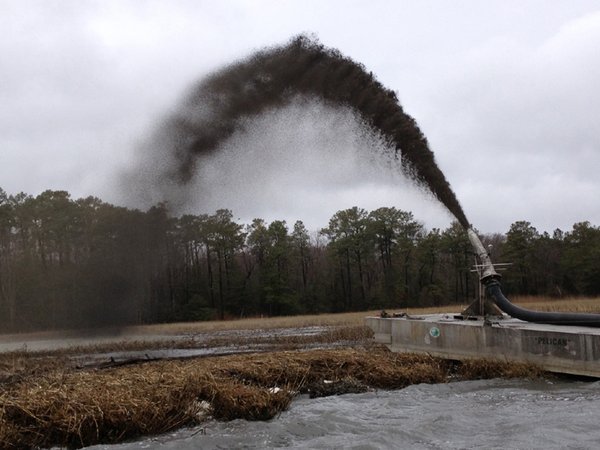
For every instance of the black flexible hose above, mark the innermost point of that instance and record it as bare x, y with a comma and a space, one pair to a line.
555, 318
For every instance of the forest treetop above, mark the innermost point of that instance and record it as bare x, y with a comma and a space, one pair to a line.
68, 263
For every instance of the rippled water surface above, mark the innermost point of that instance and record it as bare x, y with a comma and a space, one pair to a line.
464, 415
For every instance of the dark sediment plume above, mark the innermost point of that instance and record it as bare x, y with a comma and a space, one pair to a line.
216, 107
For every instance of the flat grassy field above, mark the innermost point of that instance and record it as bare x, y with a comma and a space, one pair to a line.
573, 304
570, 304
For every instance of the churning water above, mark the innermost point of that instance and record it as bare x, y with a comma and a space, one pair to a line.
491, 414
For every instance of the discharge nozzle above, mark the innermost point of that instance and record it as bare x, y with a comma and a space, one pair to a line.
487, 268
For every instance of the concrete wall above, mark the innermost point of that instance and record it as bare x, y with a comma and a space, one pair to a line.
564, 349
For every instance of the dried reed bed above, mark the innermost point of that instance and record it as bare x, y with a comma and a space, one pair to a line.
75, 408
16, 366
568, 304
479, 369
266, 323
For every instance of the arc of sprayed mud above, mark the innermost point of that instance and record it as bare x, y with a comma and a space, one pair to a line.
272, 78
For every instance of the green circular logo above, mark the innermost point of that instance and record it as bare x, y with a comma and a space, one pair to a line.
434, 332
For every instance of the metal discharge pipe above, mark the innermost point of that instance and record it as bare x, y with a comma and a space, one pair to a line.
490, 279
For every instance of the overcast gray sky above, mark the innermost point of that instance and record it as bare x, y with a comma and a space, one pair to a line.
506, 92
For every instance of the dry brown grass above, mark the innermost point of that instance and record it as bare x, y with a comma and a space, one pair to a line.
265, 323
74, 408
479, 369
16, 366
573, 304
569, 304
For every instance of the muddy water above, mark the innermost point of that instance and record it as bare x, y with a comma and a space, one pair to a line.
493, 414
57, 341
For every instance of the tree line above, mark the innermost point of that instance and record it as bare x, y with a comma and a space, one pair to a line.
68, 263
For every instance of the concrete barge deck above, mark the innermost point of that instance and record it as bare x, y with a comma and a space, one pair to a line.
563, 349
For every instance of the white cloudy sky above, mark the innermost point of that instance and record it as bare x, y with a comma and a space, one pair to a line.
506, 91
